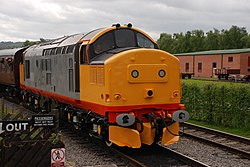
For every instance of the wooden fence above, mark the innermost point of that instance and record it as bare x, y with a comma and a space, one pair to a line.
31, 147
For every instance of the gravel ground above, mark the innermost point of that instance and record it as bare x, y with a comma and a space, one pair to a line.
208, 154
81, 152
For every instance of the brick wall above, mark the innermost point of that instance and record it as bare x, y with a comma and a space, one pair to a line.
206, 63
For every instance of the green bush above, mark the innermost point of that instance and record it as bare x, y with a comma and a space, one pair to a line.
222, 104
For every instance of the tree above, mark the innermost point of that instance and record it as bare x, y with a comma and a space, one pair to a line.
196, 40
235, 37
165, 42
211, 41
28, 43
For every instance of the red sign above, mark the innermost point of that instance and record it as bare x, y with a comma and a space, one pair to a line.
57, 157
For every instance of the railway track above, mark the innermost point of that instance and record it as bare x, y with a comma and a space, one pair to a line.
152, 156
232, 143
158, 155
96, 149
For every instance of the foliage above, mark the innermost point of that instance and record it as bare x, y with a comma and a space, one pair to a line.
197, 40
10, 45
29, 43
55, 137
220, 104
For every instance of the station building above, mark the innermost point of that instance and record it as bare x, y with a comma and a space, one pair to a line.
205, 63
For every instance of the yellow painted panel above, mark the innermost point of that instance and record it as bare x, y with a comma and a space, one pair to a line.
92, 84
93, 75
21, 73
167, 137
148, 134
100, 76
124, 137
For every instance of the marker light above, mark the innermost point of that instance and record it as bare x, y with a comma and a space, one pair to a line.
135, 73
162, 73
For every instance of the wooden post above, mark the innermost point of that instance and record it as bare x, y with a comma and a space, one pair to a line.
2, 107
2, 154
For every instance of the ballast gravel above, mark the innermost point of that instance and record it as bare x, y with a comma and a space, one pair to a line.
209, 155
81, 152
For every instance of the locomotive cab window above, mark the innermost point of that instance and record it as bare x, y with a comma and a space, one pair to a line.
104, 43
83, 58
144, 42
125, 38
116, 41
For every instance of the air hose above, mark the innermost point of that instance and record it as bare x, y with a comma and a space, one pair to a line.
166, 125
138, 120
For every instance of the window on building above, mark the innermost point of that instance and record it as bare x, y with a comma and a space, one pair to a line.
214, 65
27, 69
187, 67
199, 67
230, 59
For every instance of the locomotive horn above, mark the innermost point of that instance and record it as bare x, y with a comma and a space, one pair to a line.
118, 26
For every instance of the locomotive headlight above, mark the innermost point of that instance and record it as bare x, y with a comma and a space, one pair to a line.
135, 73
162, 73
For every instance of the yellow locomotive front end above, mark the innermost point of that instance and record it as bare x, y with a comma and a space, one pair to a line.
135, 86
146, 84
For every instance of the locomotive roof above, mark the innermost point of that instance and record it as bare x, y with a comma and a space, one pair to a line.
70, 39
60, 42
9, 52
89, 37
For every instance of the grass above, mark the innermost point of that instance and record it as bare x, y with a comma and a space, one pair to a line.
205, 82
240, 132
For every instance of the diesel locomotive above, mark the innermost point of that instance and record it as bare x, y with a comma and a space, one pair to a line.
112, 82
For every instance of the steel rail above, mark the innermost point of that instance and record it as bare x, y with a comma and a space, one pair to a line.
224, 146
220, 133
181, 157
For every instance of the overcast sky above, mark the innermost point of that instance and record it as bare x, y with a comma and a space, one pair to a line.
35, 19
